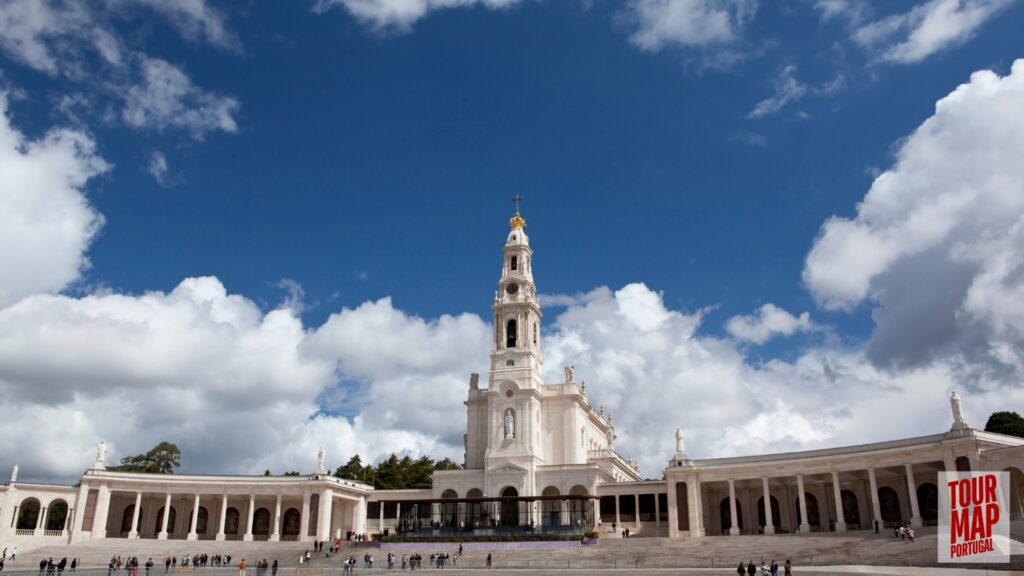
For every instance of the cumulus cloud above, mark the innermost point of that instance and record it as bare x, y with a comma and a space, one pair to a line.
158, 167
79, 41
789, 90
767, 322
852, 11
46, 221
936, 242
166, 98
926, 29
657, 24
400, 15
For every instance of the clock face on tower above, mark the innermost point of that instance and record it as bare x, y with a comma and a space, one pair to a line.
512, 288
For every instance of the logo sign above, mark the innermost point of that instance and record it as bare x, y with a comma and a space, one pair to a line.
974, 519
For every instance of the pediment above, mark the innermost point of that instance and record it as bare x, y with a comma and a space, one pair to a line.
507, 468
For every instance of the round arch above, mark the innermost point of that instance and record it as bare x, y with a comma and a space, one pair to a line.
28, 514
160, 520
203, 523
292, 521
813, 517
725, 515
889, 504
509, 509
851, 508
261, 522
551, 510
474, 511
126, 519
56, 515
579, 490
231, 521
776, 515
928, 502
449, 510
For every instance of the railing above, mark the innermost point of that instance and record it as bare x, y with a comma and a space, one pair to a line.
24, 532
53, 533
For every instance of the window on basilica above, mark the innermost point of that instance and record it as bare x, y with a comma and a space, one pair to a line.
510, 334
514, 263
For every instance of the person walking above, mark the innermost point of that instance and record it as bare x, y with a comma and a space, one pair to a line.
751, 569
149, 567
774, 568
876, 526
788, 568
488, 559
741, 569
74, 565
273, 568
241, 567
910, 534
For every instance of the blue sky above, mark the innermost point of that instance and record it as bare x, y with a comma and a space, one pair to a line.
695, 146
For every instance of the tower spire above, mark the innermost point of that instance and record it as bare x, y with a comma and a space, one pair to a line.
517, 220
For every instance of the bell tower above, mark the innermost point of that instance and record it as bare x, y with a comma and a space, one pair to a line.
516, 354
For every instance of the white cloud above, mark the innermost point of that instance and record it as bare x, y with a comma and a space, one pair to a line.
166, 98
767, 322
400, 15
195, 19
157, 167
658, 24
31, 30
852, 11
926, 29
936, 242
789, 90
46, 222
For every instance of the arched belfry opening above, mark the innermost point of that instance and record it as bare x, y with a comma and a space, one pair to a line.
514, 263
510, 333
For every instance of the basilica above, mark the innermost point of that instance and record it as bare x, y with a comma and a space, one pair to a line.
539, 458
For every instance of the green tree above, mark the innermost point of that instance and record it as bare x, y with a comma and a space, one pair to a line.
162, 459
1009, 423
266, 472
355, 470
446, 464
292, 473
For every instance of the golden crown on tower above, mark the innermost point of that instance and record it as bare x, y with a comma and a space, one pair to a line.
517, 220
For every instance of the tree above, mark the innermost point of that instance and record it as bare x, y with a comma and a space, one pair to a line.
162, 459
393, 473
355, 470
266, 472
292, 473
1009, 423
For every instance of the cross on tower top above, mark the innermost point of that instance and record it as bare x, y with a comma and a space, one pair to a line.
517, 199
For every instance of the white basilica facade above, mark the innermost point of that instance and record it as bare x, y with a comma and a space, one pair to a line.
538, 457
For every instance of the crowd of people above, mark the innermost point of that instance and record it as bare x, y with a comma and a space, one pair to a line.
50, 568
765, 569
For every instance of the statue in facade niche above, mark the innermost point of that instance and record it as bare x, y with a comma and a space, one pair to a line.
510, 424
680, 447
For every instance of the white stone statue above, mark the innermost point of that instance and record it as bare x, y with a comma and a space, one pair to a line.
583, 386
14, 474
510, 424
320, 456
569, 370
474, 381
610, 435
680, 446
601, 411
101, 455
958, 413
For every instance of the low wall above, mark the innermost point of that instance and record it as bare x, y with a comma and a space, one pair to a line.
454, 546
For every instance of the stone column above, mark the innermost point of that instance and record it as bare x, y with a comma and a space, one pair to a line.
769, 524
359, 517
79, 518
223, 516
949, 460
696, 508
163, 521
837, 495
805, 523
915, 512
673, 511
133, 530
636, 510
99, 522
248, 522
324, 522
275, 534
192, 535
876, 510
618, 513
657, 515
734, 528
40, 521
398, 516
380, 521
304, 524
